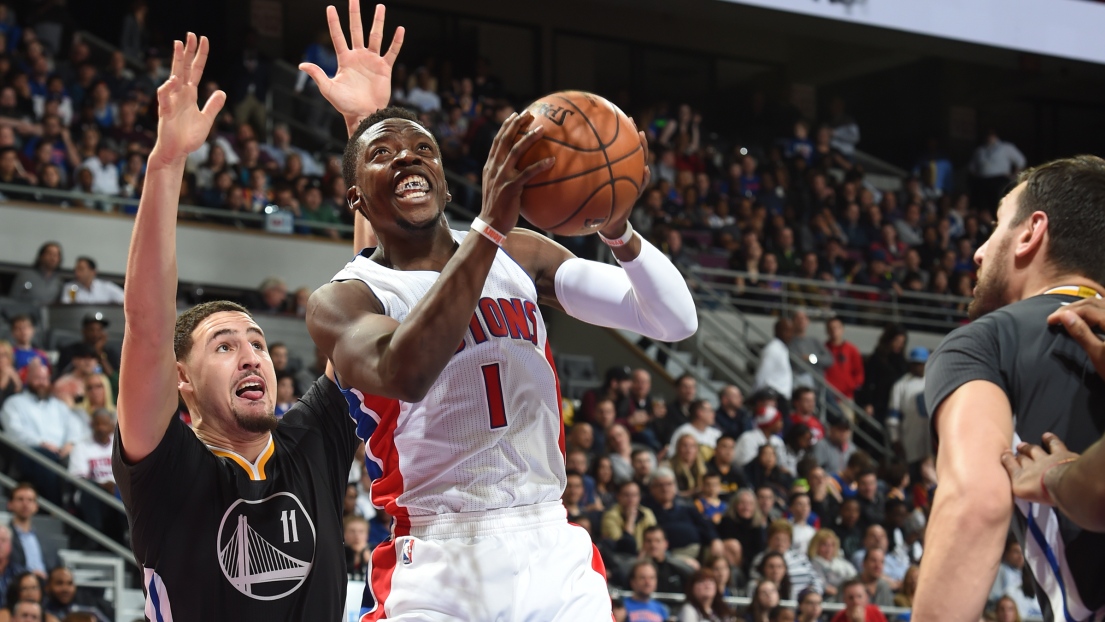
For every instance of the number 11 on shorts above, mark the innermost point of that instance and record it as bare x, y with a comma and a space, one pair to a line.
493, 384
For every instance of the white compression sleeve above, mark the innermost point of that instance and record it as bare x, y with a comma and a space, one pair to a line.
647, 295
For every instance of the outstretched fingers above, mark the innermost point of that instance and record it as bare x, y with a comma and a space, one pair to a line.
336, 34
178, 58
396, 45
376, 33
200, 61
356, 29
190, 45
214, 105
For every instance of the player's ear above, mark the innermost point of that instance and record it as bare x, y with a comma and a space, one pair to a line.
353, 199
1032, 234
448, 195
184, 380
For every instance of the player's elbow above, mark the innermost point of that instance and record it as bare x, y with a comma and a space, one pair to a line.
685, 328
676, 328
979, 509
410, 390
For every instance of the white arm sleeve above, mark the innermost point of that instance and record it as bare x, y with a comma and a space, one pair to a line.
647, 296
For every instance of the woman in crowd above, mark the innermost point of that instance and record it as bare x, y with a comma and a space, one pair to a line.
216, 163
704, 601
602, 471
743, 530
25, 586
809, 606
688, 466
728, 580
904, 597
828, 563
765, 596
773, 568
620, 450
97, 394
1006, 610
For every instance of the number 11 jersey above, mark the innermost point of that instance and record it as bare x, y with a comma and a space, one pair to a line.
488, 435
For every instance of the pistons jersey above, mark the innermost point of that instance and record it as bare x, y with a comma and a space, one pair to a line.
488, 434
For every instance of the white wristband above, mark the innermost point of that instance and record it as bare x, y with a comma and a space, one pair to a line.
488, 231
622, 241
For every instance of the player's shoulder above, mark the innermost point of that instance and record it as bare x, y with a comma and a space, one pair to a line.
1020, 319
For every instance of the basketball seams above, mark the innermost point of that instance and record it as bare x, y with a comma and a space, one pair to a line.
606, 156
612, 183
549, 182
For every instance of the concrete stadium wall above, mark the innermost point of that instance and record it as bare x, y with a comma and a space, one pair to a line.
206, 254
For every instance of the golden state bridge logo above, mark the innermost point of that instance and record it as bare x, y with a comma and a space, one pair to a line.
266, 548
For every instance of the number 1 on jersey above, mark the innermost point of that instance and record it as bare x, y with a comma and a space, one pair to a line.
493, 383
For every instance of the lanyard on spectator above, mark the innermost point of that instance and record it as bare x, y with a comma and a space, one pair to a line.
1074, 290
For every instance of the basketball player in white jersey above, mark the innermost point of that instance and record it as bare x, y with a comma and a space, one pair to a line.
438, 339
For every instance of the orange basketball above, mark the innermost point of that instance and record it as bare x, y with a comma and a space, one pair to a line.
599, 164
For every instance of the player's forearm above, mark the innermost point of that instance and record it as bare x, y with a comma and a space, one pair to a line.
149, 300
405, 362
1078, 488
648, 295
963, 543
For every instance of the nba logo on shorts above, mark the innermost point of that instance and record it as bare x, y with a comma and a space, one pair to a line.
408, 551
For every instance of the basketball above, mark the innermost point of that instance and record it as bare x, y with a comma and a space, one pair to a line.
599, 164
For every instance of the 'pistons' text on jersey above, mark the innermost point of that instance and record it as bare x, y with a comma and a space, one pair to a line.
488, 434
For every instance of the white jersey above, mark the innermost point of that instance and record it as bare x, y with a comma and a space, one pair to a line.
488, 434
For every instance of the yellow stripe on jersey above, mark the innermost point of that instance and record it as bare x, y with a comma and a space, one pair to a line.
1080, 291
256, 471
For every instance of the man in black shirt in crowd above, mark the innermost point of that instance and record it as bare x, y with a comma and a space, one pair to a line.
688, 533
732, 417
671, 574
721, 464
679, 409
240, 517
1008, 376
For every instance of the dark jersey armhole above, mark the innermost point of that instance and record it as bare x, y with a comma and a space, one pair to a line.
325, 407
969, 353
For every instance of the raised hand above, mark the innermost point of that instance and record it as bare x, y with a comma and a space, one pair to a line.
362, 84
181, 126
502, 181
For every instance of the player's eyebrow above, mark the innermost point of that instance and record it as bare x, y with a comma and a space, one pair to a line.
231, 331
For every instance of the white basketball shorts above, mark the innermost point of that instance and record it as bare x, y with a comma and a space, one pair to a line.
525, 564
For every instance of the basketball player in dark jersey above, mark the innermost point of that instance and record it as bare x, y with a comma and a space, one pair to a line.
1008, 376
238, 518
1051, 473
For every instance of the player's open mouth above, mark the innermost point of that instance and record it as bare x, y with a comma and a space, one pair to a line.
412, 187
250, 388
